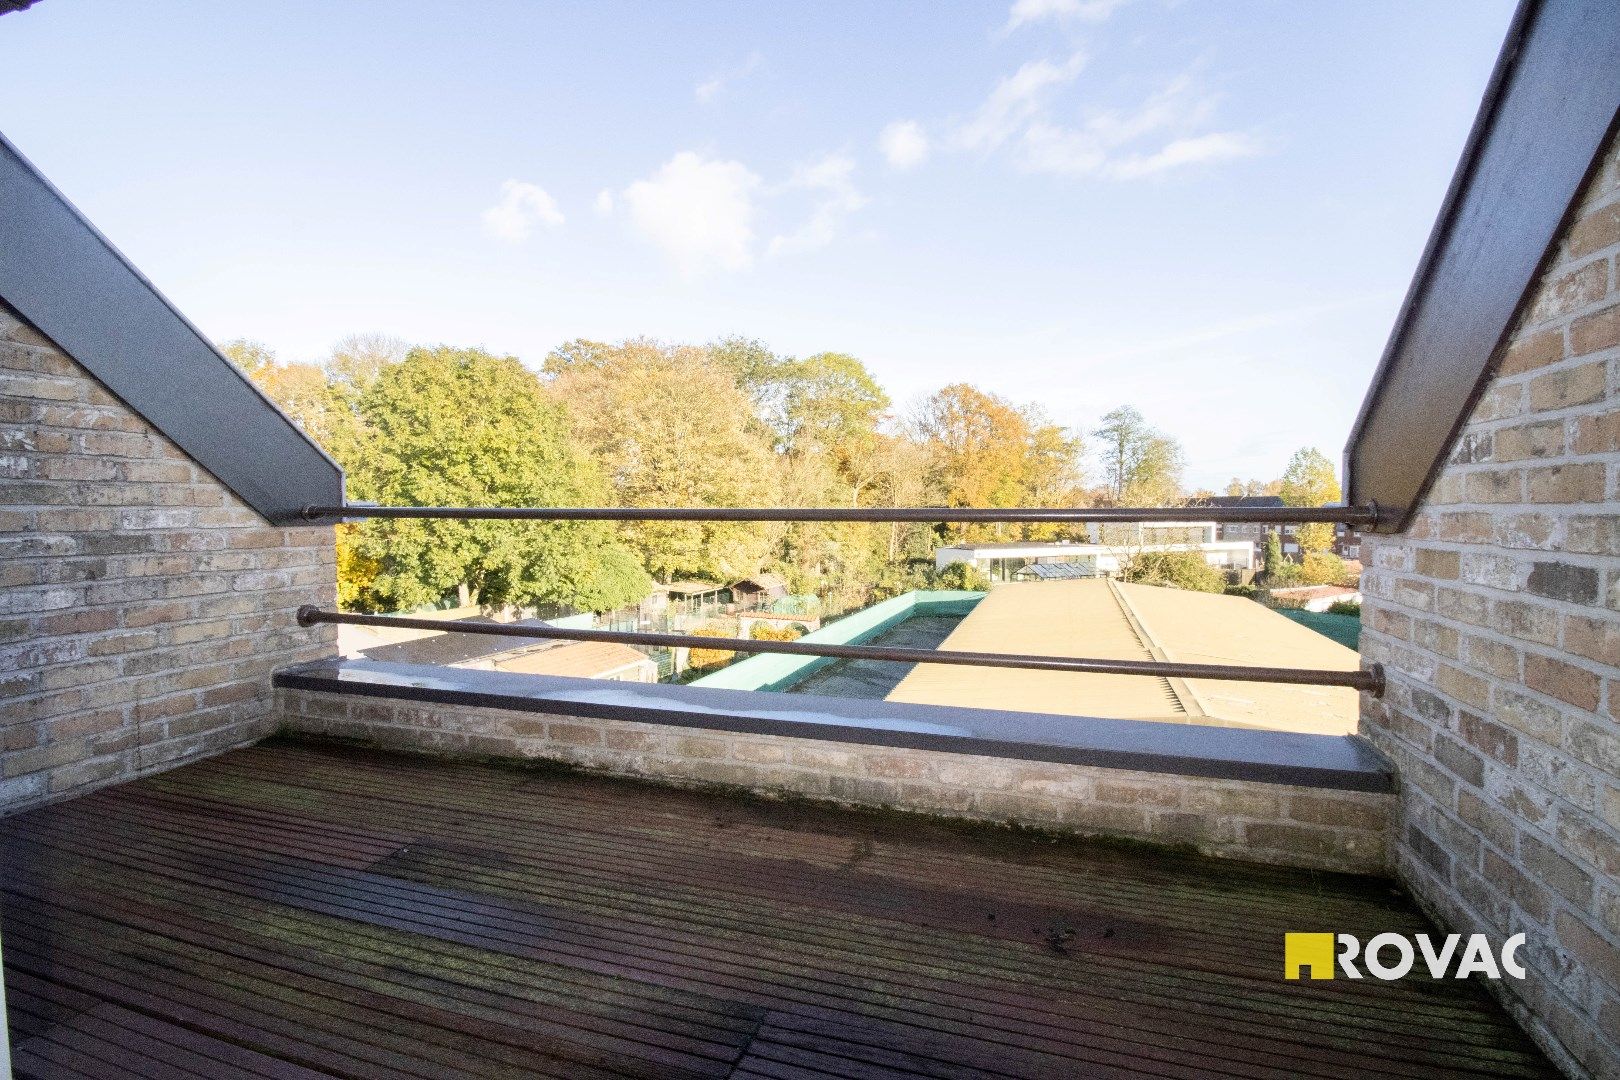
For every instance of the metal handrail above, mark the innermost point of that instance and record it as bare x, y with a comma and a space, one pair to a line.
1367, 515
1368, 680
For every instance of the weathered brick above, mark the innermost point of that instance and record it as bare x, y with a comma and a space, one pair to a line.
1577, 483
1543, 440
1592, 333
1594, 638
1564, 581
1558, 873
1594, 232
1490, 738
1494, 486
1530, 351
87, 573
1561, 680
1588, 948
1525, 621
1466, 765
1542, 640
1571, 290
1432, 563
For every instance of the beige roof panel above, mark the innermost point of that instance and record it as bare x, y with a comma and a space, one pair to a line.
1101, 618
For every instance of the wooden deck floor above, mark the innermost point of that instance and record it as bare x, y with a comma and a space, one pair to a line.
299, 911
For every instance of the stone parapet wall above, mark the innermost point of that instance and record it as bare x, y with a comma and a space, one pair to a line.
1315, 827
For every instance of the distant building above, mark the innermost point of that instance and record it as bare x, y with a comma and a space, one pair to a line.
528, 655
759, 590
1346, 538
1254, 532
1119, 543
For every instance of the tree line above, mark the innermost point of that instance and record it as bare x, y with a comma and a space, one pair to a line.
643, 423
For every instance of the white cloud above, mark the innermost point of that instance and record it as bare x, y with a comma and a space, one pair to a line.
1025, 12
832, 179
1216, 146
904, 144
603, 202
1162, 133
710, 88
1016, 100
522, 207
700, 212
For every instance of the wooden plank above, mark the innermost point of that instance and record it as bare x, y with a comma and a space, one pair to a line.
268, 903
835, 1000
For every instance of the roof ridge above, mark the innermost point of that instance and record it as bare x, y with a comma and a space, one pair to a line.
1181, 689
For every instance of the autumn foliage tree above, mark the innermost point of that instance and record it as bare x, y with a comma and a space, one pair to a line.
985, 451
669, 427
1311, 480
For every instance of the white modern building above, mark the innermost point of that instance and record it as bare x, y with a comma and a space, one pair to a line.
1118, 545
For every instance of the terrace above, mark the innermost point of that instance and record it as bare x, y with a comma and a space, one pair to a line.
291, 910
227, 852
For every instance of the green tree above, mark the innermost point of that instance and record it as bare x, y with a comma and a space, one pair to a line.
461, 427
831, 405
1278, 571
671, 427
1273, 561
325, 411
1141, 466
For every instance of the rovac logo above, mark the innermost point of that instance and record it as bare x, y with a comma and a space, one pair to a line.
1392, 956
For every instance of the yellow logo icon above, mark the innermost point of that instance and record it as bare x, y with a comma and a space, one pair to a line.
1314, 951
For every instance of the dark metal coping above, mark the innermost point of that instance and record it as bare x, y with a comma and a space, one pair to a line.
69, 281
1368, 680
1551, 107
1368, 515
1268, 757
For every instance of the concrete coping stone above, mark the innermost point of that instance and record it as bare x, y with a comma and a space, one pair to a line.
1338, 762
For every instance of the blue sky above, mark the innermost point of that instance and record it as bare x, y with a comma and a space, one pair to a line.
1208, 210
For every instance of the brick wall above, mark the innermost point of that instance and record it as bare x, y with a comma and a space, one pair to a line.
142, 605
1498, 618
1274, 823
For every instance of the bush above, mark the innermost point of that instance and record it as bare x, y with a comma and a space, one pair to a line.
1178, 569
895, 579
705, 659
767, 632
1284, 575
1322, 568
960, 575
1346, 607
1248, 592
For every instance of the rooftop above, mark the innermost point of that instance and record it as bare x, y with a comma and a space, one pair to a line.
449, 647
580, 659
298, 911
1107, 619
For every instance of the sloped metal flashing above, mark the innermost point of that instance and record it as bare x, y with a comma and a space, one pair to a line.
63, 276
1551, 107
